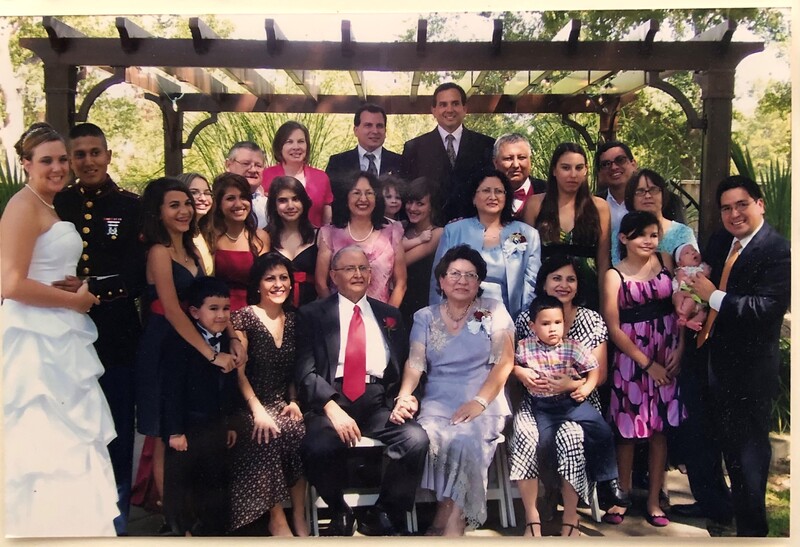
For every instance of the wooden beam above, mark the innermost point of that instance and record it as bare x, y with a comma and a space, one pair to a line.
202, 38
276, 43
422, 35
497, 36
154, 83
201, 80
347, 39
399, 56
130, 34
59, 32
394, 104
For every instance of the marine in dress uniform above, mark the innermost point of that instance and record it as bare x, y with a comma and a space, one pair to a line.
107, 218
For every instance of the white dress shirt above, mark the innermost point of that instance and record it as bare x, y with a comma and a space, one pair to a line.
364, 162
520, 202
618, 210
456, 135
259, 206
715, 300
377, 350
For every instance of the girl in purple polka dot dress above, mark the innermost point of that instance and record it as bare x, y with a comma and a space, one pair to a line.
645, 398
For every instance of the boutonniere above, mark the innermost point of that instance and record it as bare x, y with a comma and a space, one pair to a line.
515, 243
482, 318
389, 323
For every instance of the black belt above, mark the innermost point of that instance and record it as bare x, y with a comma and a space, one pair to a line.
370, 379
646, 312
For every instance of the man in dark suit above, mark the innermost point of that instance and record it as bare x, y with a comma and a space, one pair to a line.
450, 154
107, 217
748, 292
369, 127
512, 155
348, 371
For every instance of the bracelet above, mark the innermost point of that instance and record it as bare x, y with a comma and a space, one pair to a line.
214, 356
481, 401
295, 401
402, 397
247, 402
648, 365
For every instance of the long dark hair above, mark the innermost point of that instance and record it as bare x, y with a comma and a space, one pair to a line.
275, 224
153, 230
507, 214
341, 212
261, 265
221, 184
586, 230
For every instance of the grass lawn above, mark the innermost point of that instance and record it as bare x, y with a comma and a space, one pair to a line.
778, 509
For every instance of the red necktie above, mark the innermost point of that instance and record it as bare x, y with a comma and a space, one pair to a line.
736, 250
520, 194
355, 358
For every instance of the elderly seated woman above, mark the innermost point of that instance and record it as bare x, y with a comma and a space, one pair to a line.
464, 346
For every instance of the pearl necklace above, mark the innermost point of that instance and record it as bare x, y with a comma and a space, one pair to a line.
372, 229
35, 193
234, 239
462, 316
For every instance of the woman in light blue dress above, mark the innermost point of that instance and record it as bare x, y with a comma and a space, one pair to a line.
465, 347
647, 191
509, 247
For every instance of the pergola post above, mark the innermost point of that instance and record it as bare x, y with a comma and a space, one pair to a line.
60, 84
173, 133
717, 96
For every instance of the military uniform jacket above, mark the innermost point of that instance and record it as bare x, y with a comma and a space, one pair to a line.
107, 218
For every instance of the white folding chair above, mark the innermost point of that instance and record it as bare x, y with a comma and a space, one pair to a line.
353, 496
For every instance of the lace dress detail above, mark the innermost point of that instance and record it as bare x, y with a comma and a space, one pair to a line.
457, 365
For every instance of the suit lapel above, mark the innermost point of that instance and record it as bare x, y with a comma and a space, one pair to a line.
380, 317
353, 159
333, 338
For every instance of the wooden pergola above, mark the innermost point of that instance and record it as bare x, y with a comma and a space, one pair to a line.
564, 76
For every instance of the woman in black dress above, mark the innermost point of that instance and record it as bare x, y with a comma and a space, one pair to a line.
420, 241
293, 235
266, 468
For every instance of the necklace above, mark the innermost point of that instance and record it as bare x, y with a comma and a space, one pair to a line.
372, 229
178, 256
460, 317
234, 239
35, 193
416, 231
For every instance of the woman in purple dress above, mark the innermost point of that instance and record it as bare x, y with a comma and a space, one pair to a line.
645, 398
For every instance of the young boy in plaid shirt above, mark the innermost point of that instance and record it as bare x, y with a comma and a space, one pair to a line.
549, 354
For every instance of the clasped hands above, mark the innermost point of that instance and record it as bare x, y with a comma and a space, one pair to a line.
405, 407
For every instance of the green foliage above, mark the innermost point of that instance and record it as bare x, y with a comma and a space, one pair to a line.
779, 511
767, 134
11, 181
781, 406
212, 144
776, 185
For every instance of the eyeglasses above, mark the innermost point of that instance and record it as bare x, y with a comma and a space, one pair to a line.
740, 206
358, 194
455, 276
650, 191
197, 193
250, 164
351, 270
619, 161
492, 192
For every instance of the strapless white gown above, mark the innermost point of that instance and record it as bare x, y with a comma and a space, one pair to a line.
58, 475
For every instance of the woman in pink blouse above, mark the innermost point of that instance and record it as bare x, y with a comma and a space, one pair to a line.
358, 220
291, 148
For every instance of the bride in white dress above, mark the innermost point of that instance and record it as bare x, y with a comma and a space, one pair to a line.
58, 475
